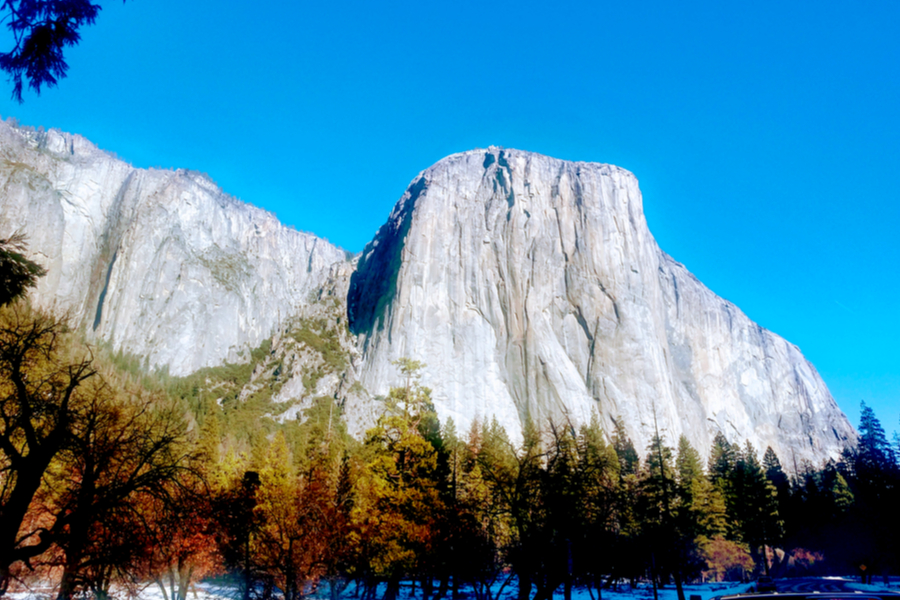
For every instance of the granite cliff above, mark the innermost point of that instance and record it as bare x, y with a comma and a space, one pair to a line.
531, 288
158, 263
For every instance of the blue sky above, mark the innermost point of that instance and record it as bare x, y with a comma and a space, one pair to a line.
766, 136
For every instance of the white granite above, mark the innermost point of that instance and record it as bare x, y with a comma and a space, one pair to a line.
159, 263
532, 286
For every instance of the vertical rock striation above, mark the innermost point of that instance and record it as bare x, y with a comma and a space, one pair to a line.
532, 288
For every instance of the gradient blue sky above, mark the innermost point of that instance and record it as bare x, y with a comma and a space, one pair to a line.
766, 136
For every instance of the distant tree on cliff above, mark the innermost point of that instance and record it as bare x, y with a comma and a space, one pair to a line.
41, 30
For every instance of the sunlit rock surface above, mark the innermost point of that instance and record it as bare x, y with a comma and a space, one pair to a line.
159, 263
532, 287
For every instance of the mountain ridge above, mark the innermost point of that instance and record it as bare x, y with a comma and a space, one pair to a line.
530, 286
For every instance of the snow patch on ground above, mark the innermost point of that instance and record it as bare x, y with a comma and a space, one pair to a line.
219, 591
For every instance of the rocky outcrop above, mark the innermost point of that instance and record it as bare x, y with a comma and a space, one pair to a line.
532, 288
158, 263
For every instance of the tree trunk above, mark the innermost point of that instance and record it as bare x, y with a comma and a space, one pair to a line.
162, 587
336, 587
27, 481
4, 577
393, 588
445, 585
184, 580
78, 533
545, 590
67, 584
678, 585
524, 586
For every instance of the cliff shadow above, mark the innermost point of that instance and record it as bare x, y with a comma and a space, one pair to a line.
373, 285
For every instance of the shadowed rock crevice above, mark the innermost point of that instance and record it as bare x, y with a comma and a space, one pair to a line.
99, 314
373, 285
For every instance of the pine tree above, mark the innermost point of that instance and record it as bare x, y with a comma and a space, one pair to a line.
774, 473
779, 480
17, 273
286, 547
563, 489
708, 510
674, 531
400, 503
598, 467
754, 503
210, 442
874, 455
629, 461
841, 494
688, 467
722, 460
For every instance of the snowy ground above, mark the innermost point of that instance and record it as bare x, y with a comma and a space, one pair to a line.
877, 585
213, 591
208, 591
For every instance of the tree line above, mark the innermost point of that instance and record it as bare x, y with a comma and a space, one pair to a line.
110, 479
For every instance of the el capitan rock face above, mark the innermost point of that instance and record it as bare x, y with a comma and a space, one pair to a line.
530, 287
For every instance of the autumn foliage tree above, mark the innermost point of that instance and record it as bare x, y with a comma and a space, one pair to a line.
126, 445
398, 498
41, 388
179, 543
80, 451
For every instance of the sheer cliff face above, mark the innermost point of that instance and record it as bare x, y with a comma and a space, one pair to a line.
532, 287
158, 263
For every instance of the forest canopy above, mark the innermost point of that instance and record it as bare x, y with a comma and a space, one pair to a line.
112, 477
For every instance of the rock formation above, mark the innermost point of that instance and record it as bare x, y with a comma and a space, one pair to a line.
158, 263
531, 288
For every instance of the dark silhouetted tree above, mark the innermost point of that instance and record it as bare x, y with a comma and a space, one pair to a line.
41, 30
17, 273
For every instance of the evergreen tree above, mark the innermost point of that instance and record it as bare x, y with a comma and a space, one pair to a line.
483, 535
688, 467
598, 468
629, 461
704, 513
400, 505
754, 504
707, 507
841, 494
723, 458
667, 524
776, 476
874, 455
17, 273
